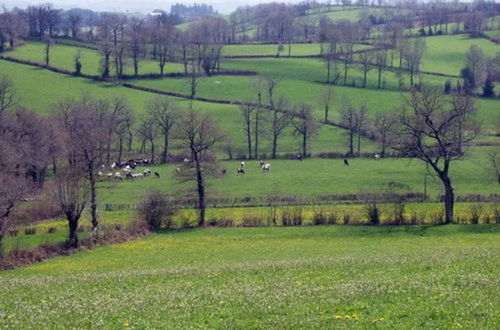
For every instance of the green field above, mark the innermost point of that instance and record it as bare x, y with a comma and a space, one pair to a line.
446, 54
41, 90
309, 277
315, 178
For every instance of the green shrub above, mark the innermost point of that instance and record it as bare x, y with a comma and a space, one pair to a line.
156, 210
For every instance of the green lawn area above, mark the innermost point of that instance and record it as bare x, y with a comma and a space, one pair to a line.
62, 57
40, 90
272, 49
446, 54
311, 179
307, 277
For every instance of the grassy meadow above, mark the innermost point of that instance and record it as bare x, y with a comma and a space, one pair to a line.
312, 179
307, 277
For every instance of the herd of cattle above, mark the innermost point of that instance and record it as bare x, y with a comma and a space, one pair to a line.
127, 169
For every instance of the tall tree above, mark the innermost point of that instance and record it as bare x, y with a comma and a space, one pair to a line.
166, 115
198, 134
305, 125
72, 195
435, 128
247, 110
279, 121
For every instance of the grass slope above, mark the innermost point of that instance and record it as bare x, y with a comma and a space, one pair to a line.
309, 277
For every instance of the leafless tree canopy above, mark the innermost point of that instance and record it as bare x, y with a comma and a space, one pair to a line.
436, 129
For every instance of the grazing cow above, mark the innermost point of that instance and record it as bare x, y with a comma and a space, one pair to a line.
118, 176
157, 175
240, 171
377, 156
261, 163
299, 158
178, 170
136, 176
100, 173
113, 166
187, 161
346, 162
266, 168
147, 172
109, 175
242, 164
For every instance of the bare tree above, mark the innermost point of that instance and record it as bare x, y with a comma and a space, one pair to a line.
279, 121
72, 194
258, 84
136, 42
366, 62
348, 120
272, 83
148, 131
305, 125
165, 113
75, 21
48, 45
413, 56
361, 124
434, 128
247, 110
383, 124
198, 134
327, 99
83, 125
12, 190
494, 163
105, 35
380, 63
8, 98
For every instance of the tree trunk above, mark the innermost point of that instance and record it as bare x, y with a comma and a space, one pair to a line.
257, 119
120, 149
359, 143
136, 66
449, 198
351, 142
152, 151
201, 190
345, 72
73, 233
328, 70
165, 150
327, 109
304, 145
249, 139
275, 146
379, 76
93, 195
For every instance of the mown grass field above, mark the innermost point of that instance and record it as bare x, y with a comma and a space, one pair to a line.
314, 178
308, 277
419, 213
41, 90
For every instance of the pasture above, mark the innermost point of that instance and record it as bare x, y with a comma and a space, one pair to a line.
307, 277
312, 179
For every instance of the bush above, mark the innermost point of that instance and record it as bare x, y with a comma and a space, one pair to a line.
225, 221
252, 221
319, 217
156, 210
476, 209
372, 212
292, 216
30, 231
